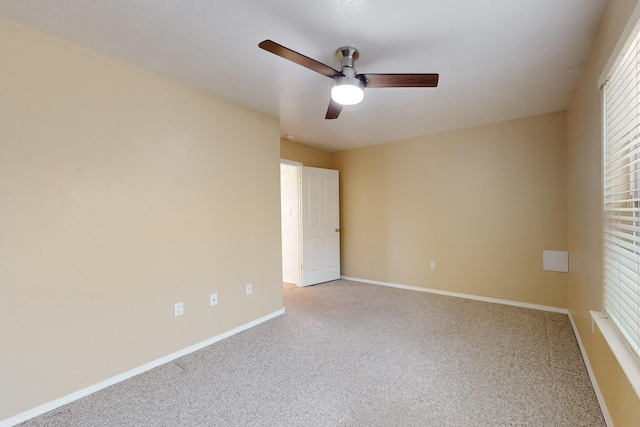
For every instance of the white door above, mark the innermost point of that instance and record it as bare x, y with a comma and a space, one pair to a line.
320, 226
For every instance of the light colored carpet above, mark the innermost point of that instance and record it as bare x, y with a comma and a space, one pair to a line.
351, 354
288, 286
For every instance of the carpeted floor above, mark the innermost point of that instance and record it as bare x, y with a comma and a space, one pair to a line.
288, 286
351, 354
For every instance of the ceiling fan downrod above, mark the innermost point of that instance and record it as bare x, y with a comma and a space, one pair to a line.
347, 56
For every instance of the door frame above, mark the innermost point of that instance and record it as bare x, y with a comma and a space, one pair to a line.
298, 166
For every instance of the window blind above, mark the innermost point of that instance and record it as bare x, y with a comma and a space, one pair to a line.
621, 154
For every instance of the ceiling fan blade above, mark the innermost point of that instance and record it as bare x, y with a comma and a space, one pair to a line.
399, 80
334, 110
299, 58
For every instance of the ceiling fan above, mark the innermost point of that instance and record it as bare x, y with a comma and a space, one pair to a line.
348, 87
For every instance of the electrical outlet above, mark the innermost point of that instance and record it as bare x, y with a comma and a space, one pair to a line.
213, 299
248, 289
178, 309
433, 265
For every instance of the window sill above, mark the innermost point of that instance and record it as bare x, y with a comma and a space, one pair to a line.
627, 360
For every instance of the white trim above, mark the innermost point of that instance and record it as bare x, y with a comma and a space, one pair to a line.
621, 47
300, 218
459, 295
290, 162
126, 375
298, 166
624, 355
592, 377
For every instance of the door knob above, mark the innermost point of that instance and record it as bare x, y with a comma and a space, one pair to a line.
337, 230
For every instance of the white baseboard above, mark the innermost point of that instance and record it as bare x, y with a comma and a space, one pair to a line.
126, 375
460, 295
594, 382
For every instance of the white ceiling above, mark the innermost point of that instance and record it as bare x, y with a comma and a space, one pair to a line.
497, 59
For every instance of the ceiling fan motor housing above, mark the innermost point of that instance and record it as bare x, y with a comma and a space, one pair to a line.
347, 89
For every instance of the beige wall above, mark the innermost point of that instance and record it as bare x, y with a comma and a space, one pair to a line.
482, 202
308, 156
584, 210
121, 193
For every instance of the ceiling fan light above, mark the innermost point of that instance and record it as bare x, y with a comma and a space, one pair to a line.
347, 91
